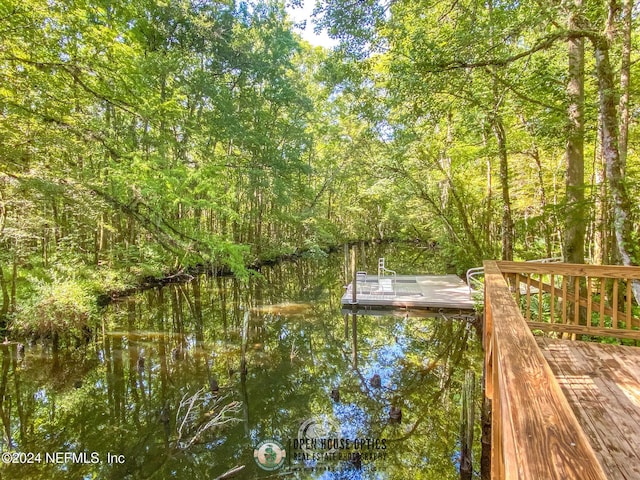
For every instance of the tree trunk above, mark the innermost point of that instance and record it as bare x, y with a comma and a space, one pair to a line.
466, 427
14, 284
621, 203
4, 309
498, 130
601, 227
573, 250
547, 228
445, 166
625, 77
488, 223
507, 220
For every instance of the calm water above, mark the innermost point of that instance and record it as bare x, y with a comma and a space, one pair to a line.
188, 381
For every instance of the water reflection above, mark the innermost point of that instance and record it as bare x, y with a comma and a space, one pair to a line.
186, 381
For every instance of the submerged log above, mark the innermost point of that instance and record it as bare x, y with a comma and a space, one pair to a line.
214, 386
395, 415
335, 394
140, 364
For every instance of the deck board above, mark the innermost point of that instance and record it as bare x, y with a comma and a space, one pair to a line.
601, 383
417, 291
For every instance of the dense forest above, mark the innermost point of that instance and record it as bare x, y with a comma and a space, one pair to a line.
140, 139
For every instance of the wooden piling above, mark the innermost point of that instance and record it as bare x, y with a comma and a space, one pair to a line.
354, 284
346, 263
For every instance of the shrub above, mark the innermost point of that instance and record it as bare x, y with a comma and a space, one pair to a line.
57, 309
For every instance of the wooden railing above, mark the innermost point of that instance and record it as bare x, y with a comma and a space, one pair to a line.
535, 434
571, 299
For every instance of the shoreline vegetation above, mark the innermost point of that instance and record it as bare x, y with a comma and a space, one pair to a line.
186, 274
142, 138
74, 310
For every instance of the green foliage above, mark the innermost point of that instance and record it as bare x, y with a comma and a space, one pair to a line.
534, 309
141, 139
443, 72
60, 307
313, 250
138, 139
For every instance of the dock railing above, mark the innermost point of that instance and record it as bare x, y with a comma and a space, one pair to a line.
534, 433
475, 277
575, 300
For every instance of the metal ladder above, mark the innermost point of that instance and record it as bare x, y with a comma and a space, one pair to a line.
386, 286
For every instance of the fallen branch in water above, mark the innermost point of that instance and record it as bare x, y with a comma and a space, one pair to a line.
231, 473
188, 415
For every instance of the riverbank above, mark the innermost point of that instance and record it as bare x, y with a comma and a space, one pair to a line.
185, 274
67, 306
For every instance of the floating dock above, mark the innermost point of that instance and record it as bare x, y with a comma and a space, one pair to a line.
429, 292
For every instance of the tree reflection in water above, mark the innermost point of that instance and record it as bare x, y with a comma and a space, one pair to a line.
165, 386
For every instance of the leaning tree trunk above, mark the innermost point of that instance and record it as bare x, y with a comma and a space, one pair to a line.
622, 225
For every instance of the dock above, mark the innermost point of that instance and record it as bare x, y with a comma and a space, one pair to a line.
430, 292
563, 404
602, 385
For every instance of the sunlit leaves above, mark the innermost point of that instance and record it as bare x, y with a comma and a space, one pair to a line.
190, 119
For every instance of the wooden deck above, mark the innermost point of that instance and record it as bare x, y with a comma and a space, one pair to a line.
561, 409
432, 292
602, 384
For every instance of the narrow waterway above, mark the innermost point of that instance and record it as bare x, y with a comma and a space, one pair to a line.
195, 380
